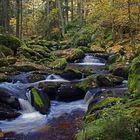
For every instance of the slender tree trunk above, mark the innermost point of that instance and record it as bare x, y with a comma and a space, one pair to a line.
18, 18
130, 24
66, 11
61, 17
72, 10
21, 19
5, 14
47, 7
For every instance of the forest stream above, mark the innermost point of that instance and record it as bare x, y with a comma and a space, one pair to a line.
64, 118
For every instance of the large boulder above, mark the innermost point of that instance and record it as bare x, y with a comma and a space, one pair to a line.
5, 51
58, 63
119, 69
71, 74
40, 100
11, 42
6, 112
108, 80
134, 77
85, 84
7, 98
69, 93
70, 54
51, 89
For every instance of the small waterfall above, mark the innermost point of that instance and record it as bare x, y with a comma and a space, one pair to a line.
26, 106
88, 97
28, 94
53, 77
91, 59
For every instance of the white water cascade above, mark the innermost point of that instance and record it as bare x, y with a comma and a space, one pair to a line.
26, 106
54, 77
91, 60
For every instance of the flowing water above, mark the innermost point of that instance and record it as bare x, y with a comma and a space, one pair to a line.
92, 60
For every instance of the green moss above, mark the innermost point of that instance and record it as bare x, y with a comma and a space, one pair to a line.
134, 78
87, 83
36, 97
58, 64
108, 80
107, 102
10, 41
4, 51
70, 54
7, 61
85, 49
97, 49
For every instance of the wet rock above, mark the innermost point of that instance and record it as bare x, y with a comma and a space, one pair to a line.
102, 55
51, 89
7, 98
40, 100
108, 80
119, 69
35, 77
6, 112
71, 74
69, 93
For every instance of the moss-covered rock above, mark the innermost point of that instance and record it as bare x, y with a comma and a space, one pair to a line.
5, 51
40, 101
35, 77
85, 49
97, 49
108, 80
134, 78
71, 74
11, 42
70, 54
89, 82
119, 69
7, 61
58, 64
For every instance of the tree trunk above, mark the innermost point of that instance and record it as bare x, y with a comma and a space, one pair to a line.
18, 18
72, 10
61, 17
130, 24
47, 7
5, 14
21, 19
66, 11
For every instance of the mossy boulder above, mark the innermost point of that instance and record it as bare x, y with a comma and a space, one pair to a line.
5, 51
134, 78
40, 100
70, 54
119, 69
71, 74
108, 80
35, 77
11, 42
7, 61
58, 64
85, 49
97, 49
89, 82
